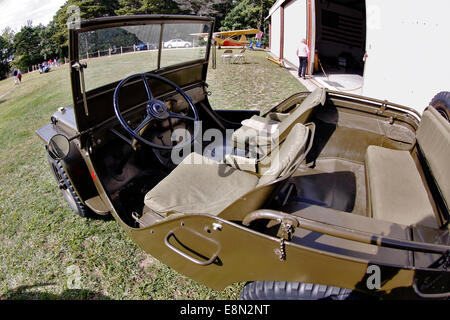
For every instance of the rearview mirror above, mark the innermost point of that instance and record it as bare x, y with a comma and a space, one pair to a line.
59, 147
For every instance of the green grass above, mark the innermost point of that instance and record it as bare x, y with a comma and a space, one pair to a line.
40, 238
257, 84
104, 70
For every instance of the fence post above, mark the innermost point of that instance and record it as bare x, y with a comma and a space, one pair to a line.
121, 50
87, 54
109, 51
134, 47
148, 46
98, 53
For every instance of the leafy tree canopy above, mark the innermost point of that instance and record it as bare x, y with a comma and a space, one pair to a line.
32, 45
247, 14
8, 34
27, 46
127, 7
5, 52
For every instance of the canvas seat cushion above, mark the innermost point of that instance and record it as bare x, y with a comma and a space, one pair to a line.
262, 140
395, 189
199, 185
433, 138
285, 157
202, 185
257, 140
280, 159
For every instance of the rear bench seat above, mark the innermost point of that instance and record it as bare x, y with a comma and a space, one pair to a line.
395, 189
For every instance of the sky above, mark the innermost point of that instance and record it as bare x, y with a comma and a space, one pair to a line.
16, 13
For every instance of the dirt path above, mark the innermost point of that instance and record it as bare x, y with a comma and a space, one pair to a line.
7, 92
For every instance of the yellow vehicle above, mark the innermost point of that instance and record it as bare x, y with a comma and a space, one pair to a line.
229, 38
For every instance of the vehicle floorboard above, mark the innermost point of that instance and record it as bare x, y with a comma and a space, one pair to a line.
332, 183
335, 176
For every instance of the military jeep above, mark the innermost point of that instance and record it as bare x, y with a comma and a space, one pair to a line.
327, 195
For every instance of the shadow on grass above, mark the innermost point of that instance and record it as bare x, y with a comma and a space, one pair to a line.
105, 218
24, 293
238, 63
2, 100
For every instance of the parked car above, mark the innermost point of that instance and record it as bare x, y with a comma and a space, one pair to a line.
146, 46
327, 195
177, 43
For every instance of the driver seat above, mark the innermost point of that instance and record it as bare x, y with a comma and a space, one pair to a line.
204, 186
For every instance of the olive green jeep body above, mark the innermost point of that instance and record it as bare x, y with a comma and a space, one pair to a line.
325, 191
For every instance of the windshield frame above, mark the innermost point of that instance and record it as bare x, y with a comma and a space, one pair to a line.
121, 21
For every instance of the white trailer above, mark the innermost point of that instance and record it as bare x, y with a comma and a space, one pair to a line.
406, 44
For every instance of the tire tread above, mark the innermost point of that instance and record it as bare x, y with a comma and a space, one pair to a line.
283, 290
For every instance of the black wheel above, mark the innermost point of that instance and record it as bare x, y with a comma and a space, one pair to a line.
281, 290
67, 189
441, 102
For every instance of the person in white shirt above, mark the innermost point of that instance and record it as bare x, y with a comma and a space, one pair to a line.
303, 55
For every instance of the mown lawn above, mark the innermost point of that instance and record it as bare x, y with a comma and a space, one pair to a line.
41, 240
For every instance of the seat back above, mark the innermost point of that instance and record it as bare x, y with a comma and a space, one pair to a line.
253, 138
301, 113
284, 160
433, 139
285, 157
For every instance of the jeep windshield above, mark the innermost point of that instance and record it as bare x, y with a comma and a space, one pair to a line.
104, 51
117, 52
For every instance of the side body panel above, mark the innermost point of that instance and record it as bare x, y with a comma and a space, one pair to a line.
245, 255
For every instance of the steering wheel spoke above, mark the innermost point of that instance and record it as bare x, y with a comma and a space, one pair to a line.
180, 116
146, 121
147, 87
156, 110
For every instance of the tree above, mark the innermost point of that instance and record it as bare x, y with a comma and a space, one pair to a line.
27, 47
5, 53
59, 34
222, 9
8, 34
248, 14
127, 7
243, 16
200, 7
49, 48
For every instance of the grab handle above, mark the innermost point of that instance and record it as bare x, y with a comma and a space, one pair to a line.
187, 256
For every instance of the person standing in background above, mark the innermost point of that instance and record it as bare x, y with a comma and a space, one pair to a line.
19, 76
303, 55
16, 81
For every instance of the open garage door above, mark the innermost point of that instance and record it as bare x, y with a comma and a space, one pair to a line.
340, 36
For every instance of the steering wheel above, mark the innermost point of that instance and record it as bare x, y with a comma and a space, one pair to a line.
157, 110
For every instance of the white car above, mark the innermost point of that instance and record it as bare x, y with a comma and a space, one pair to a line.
177, 43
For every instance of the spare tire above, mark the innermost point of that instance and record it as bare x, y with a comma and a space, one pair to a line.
282, 290
441, 102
